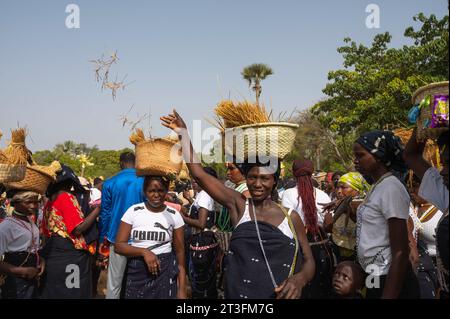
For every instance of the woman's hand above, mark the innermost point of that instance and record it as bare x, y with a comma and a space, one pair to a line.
174, 122
181, 294
328, 222
187, 196
152, 261
26, 272
289, 289
329, 206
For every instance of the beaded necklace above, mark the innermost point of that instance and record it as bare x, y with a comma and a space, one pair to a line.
33, 246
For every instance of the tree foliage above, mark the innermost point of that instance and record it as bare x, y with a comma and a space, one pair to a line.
254, 74
374, 89
106, 162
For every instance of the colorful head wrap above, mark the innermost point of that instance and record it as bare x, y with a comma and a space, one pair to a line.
387, 147
356, 181
24, 196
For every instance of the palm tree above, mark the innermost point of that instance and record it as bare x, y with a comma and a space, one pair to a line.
254, 74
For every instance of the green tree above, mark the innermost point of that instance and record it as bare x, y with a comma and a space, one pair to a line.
374, 89
329, 151
254, 74
106, 162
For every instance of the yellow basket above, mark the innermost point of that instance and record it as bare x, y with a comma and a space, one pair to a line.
160, 157
12, 173
37, 179
266, 139
423, 132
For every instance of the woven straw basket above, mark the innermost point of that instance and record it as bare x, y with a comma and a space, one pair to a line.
265, 139
431, 151
12, 173
37, 179
158, 157
184, 173
424, 133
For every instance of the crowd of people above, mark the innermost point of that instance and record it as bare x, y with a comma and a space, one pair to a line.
380, 231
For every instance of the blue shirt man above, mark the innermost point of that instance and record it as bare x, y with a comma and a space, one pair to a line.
119, 193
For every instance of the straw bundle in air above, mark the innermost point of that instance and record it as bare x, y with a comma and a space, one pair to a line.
230, 114
3, 158
137, 137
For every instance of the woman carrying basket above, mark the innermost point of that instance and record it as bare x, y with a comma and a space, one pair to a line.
265, 247
151, 235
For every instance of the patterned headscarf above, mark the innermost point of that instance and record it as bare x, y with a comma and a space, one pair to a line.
387, 147
23, 196
356, 181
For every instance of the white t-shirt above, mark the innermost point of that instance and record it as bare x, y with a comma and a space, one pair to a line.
427, 232
15, 236
290, 200
96, 194
152, 230
389, 199
203, 200
433, 190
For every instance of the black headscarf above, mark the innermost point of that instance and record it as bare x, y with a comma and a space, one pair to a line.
387, 147
65, 176
272, 163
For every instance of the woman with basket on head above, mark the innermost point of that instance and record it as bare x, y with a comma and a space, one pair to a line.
20, 243
151, 234
68, 255
265, 259
431, 113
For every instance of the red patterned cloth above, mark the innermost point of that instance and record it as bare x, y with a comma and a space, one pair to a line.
61, 217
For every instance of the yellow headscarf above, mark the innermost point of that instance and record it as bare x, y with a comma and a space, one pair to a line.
356, 181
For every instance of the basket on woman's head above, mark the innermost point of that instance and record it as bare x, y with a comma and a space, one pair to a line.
430, 111
13, 159
248, 131
156, 156
37, 178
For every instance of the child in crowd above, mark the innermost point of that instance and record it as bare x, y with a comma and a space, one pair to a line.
348, 280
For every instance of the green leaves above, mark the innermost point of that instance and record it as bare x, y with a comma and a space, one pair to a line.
254, 74
106, 162
373, 90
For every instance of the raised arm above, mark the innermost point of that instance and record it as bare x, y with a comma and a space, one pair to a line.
219, 192
413, 156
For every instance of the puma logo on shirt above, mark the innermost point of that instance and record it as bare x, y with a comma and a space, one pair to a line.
149, 235
152, 230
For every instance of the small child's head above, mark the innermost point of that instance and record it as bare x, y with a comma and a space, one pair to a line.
348, 279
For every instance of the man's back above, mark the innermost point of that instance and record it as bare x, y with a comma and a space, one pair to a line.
119, 193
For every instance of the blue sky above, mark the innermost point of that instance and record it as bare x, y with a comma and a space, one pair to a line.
182, 54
